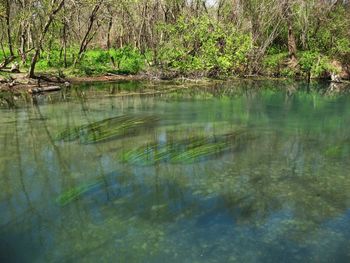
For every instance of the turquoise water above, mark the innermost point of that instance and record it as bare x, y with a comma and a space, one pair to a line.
248, 171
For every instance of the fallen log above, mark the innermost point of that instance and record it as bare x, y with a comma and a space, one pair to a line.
44, 89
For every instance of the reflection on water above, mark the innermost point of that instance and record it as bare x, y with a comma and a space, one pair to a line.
132, 172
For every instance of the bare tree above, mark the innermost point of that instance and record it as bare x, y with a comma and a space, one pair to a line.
55, 8
89, 34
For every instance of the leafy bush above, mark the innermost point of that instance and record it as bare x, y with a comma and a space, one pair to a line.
94, 62
342, 50
2, 55
128, 61
314, 63
328, 36
274, 63
196, 44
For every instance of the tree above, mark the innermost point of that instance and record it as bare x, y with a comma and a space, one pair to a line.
32, 28
56, 6
90, 33
5, 10
292, 46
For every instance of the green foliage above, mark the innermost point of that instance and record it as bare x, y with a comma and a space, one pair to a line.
341, 50
314, 63
196, 44
334, 151
307, 60
334, 28
5, 76
273, 64
218, 40
2, 9
99, 61
128, 59
4, 53
95, 61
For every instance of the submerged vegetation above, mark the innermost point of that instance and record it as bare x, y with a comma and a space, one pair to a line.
241, 171
288, 38
184, 151
107, 129
75, 193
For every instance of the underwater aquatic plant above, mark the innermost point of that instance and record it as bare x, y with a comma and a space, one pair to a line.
184, 151
76, 192
337, 151
107, 129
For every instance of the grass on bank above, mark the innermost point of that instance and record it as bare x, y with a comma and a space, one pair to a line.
207, 63
95, 62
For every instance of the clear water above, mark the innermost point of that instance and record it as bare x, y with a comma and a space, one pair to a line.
276, 189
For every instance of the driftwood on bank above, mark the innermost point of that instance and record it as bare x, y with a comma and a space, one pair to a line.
44, 89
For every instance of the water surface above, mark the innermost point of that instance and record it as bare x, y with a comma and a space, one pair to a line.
248, 171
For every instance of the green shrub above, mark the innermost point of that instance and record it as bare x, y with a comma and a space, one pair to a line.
312, 62
197, 44
341, 50
3, 53
127, 60
274, 63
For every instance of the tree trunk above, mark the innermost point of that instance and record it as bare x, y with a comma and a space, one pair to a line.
110, 24
8, 27
35, 57
292, 46
23, 34
64, 37
22, 48
65, 45
86, 40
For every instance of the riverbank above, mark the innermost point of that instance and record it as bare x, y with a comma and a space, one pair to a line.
17, 83
25, 92
105, 66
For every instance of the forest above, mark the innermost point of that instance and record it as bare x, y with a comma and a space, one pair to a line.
168, 39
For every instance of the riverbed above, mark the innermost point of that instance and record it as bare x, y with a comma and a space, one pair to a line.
133, 171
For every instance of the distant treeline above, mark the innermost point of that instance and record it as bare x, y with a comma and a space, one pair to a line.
297, 38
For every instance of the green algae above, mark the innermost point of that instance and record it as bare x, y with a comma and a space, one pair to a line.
338, 150
107, 129
185, 151
334, 151
75, 193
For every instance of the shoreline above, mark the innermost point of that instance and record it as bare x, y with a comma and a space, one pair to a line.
20, 83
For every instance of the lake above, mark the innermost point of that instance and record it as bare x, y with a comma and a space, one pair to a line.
240, 171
